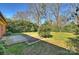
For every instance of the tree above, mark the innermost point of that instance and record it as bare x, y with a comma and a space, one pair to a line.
75, 15
38, 12
16, 26
20, 15
55, 12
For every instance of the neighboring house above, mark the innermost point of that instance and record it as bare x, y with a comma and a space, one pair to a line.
3, 25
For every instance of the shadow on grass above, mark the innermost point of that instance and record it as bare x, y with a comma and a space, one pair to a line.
45, 48
47, 36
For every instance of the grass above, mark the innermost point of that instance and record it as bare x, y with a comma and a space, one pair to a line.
62, 35
55, 45
33, 34
56, 35
16, 48
58, 38
40, 48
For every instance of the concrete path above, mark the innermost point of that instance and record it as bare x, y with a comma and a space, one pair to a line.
19, 38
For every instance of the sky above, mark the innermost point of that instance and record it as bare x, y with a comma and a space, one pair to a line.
9, 9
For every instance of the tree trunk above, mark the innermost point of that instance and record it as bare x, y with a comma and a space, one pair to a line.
58, 18
77, 21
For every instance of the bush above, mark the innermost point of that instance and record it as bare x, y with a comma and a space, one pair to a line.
69, 27
18, 26
2, 48
76, 30
45, 31
73, 44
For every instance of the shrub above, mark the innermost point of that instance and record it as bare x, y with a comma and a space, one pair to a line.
17, 26
2, 48
45, 31
69, 27
73, 44
76, 30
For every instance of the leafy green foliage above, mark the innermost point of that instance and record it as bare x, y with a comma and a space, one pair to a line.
17, 48
76, 30
16, 26
45, 30
2, 48
73, 44
69, 27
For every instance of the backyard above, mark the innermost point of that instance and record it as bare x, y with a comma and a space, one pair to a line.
40, 48
58, 38
57, 44
39, 29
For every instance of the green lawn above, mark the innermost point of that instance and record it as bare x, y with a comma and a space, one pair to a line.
58, 38
62, 35
40, 48
55, 35
54, 45
16, 48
